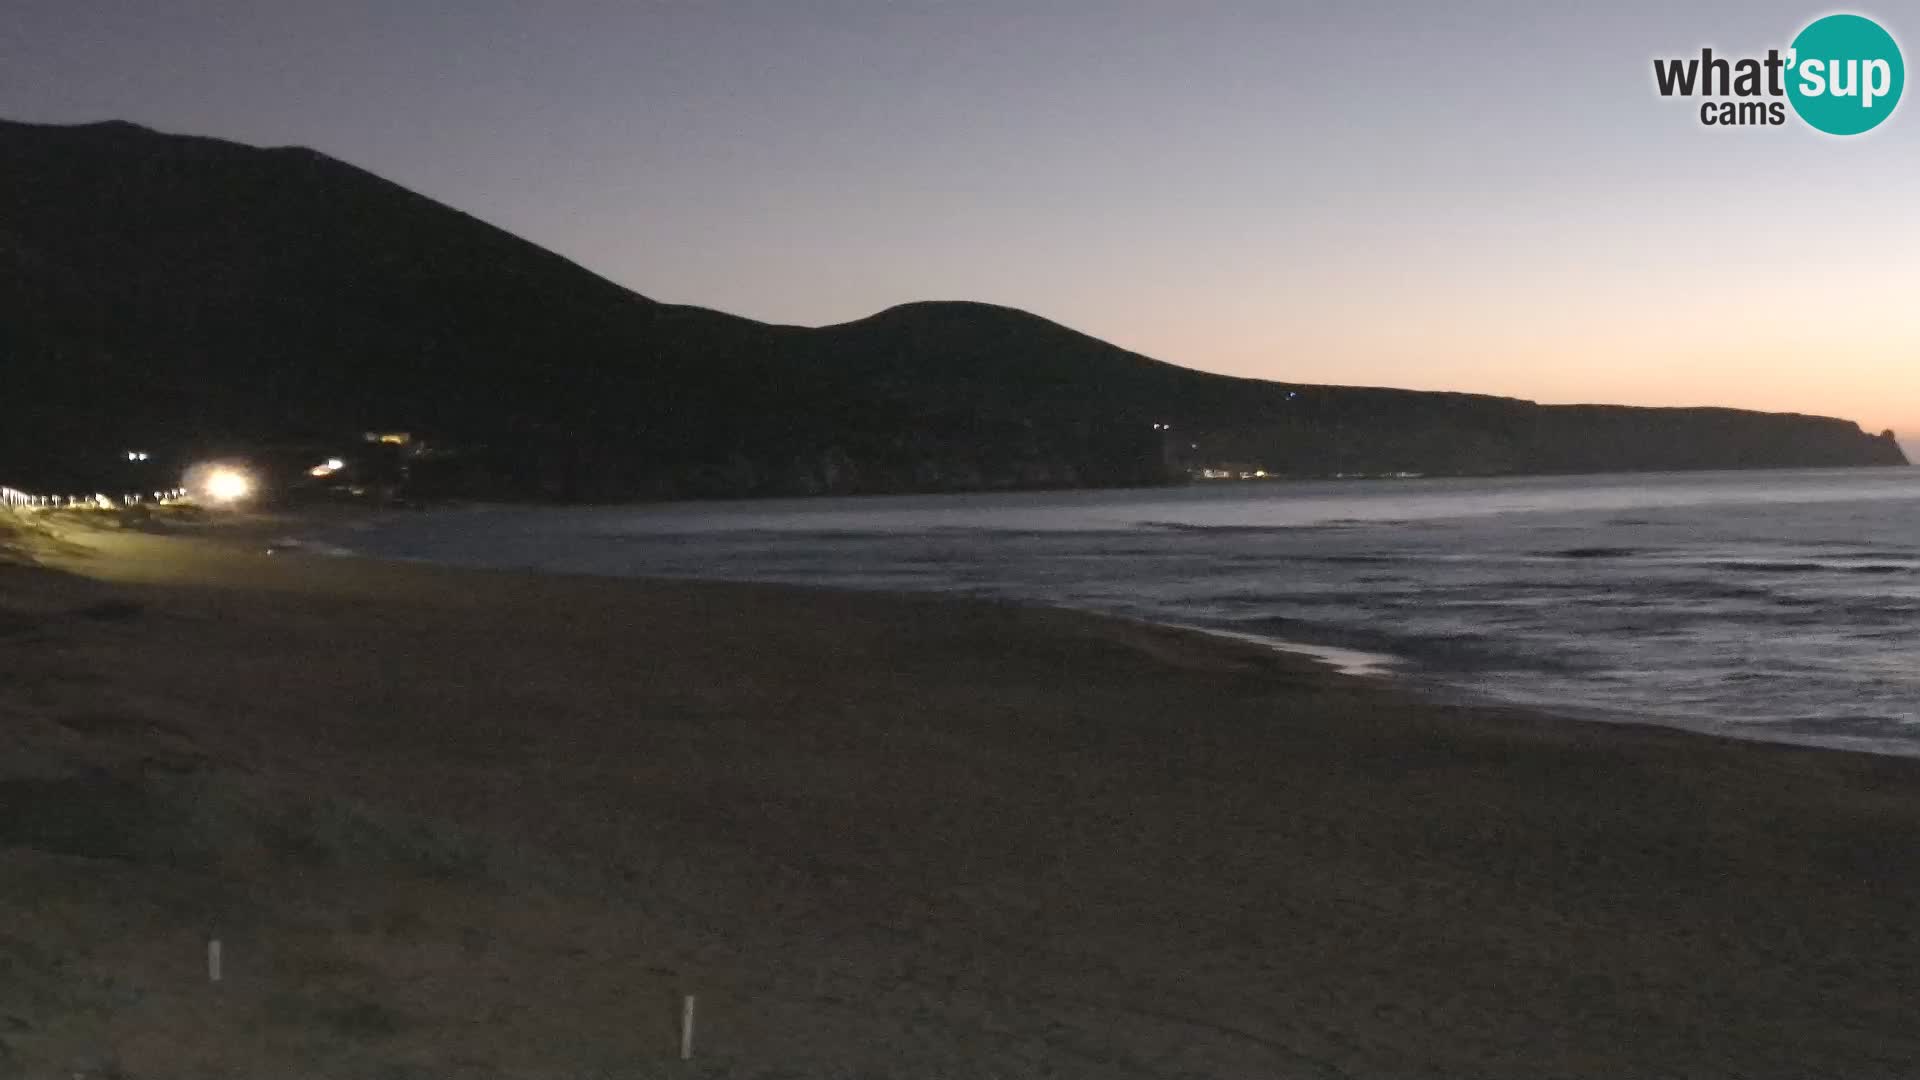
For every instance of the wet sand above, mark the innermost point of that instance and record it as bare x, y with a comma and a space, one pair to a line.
468, 824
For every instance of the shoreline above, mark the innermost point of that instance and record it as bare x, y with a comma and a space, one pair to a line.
266, 535
494, 823
1408, 670
280, 533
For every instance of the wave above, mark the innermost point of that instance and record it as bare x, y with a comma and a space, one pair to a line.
1339, 560
310, 547
1281, 527
1741, 566
1460, 653
1872, 725
1593, 553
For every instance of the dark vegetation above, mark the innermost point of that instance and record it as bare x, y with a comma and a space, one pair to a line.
195, 296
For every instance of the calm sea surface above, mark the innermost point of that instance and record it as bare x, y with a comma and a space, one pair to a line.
1773, 605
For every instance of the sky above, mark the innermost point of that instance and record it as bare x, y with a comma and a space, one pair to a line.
1488, 197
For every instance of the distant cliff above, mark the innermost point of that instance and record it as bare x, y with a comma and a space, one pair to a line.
189, 295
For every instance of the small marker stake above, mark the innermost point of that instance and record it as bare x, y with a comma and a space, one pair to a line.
686, 1029
213, 960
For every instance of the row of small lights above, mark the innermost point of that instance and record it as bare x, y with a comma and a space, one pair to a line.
221, 484
28, 500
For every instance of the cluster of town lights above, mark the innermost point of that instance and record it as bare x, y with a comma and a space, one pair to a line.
221, 484
27, 500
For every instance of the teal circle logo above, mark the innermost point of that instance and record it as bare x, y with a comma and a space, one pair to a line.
1845, 74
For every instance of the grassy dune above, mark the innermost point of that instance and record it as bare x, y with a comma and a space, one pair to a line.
456, 824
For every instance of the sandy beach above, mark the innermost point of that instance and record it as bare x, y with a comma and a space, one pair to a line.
467, 824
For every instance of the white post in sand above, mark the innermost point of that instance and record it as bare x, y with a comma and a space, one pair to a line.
686, 1029
213, 960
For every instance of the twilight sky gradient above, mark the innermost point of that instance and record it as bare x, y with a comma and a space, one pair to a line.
1489, 197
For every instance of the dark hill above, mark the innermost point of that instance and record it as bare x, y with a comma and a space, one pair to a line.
191, 294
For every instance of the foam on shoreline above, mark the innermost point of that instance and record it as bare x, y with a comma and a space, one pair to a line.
1345, 661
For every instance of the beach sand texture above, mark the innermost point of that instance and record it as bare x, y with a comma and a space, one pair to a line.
467, 824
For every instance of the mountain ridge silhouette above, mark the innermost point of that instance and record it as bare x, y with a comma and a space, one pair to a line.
195, 293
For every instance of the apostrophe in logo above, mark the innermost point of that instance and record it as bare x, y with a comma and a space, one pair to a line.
1846, 74
1843, 75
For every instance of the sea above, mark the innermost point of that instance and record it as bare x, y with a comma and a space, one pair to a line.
1776, 605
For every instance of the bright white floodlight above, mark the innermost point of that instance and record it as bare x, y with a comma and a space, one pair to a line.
228, 485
